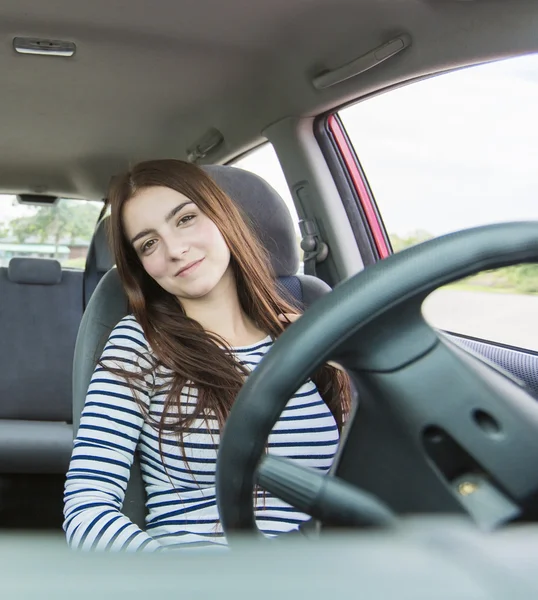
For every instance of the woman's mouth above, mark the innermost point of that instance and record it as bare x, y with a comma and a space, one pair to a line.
190, 268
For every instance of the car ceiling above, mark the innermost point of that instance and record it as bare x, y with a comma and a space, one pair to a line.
149, 77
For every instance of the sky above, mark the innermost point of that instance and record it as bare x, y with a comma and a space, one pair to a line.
450, 152
453, 151
10, 209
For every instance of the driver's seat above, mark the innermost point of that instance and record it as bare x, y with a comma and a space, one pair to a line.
108, 304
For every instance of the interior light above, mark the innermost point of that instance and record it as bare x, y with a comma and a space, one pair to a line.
43, 47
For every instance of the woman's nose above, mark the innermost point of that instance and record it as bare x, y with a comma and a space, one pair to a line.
176, 247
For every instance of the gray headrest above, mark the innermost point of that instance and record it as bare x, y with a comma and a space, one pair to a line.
37, 271
101, 247
266, 210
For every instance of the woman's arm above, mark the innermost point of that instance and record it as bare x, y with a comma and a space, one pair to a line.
104, 450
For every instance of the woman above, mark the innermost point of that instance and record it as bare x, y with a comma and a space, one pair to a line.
205, 310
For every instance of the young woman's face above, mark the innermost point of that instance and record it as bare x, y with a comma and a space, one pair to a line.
178, 245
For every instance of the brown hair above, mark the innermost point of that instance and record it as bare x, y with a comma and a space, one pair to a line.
197, 358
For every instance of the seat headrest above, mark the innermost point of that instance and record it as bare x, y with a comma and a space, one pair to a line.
36, 271
267, 212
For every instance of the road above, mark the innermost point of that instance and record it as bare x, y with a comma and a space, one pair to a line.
507, 318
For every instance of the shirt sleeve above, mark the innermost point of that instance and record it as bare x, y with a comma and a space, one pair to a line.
104, 449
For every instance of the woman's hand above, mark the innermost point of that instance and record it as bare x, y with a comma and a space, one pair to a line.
291, 318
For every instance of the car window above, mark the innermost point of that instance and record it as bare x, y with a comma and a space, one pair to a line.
263, 161
451, 152
62, 231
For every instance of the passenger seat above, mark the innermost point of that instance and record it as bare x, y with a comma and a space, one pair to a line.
40, 313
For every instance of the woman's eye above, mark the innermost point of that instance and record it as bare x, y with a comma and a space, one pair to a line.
185, 219
147, 246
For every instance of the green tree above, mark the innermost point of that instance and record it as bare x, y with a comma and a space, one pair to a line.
416, 237
524, 278
68, 219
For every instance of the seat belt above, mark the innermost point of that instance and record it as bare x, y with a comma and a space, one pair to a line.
314, 248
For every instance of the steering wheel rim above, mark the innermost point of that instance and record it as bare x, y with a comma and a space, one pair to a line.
383, 303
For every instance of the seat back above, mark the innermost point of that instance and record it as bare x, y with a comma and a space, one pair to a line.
271, 220
40, 313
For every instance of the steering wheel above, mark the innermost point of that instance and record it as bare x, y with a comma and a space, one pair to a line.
436, 429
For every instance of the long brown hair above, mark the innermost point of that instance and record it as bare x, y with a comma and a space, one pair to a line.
197, 358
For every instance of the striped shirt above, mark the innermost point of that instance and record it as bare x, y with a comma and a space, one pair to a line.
180, 483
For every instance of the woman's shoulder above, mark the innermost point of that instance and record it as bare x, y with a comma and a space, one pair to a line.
130, 332
127, 348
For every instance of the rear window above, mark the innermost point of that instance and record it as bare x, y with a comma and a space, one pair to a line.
62, 231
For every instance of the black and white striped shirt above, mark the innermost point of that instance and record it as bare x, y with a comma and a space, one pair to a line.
180, 486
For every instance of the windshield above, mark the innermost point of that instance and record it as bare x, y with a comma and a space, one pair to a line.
62, 231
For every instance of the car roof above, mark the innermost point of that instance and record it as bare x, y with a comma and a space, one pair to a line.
150, 77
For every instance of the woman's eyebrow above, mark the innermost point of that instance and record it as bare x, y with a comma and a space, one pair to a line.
175, 210
167, 218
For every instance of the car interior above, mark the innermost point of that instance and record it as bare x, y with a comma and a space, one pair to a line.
445, 422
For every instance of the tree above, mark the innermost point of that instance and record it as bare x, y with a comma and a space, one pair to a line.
399, 243
524, 278
67, 219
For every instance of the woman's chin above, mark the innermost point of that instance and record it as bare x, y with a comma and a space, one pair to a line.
196, 291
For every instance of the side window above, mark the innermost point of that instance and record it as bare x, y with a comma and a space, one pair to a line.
455, 151
62, 231
263, 161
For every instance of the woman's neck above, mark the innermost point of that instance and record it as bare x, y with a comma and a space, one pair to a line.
221, 313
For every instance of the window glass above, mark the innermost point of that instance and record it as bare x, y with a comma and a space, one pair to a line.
451, 152
62, 231
263, 161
